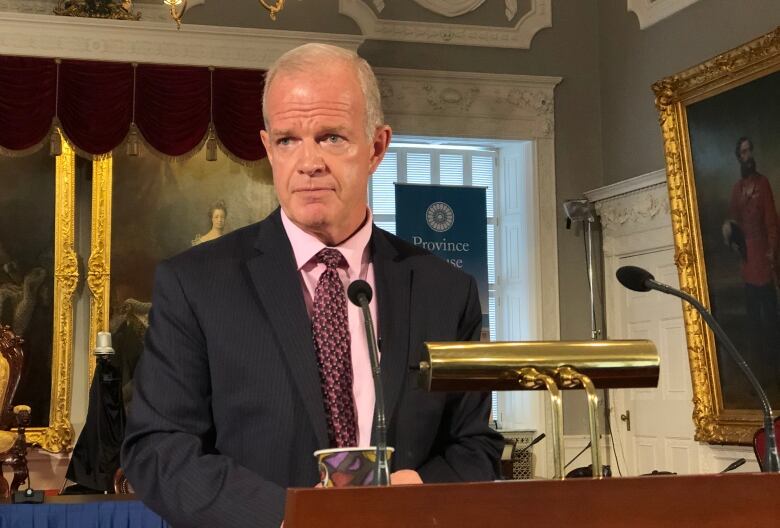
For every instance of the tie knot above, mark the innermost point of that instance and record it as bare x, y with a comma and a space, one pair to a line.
332, 258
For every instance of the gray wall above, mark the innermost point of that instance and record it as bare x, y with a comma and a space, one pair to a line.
570, 50
631, 60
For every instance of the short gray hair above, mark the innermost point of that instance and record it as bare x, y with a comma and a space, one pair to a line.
312, 56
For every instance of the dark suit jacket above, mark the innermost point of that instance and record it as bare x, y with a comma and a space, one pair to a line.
227, 408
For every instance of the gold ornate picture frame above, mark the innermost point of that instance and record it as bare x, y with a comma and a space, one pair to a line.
38, 282
707, 114
58, 436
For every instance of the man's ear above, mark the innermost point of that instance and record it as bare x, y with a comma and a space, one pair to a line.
381, 143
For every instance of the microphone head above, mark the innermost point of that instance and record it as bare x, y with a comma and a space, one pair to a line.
358, 288
103, 345
634, 278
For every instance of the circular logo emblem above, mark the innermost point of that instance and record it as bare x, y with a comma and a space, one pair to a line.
440, 217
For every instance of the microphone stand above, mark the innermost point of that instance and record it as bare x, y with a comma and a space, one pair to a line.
771, 462
382, 475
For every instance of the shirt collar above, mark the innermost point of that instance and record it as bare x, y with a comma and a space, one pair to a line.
305, 245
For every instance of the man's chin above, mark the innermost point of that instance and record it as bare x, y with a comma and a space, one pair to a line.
311, 219
748, 168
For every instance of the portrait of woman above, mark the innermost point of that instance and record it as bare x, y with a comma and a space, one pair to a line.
217, 217
156, 203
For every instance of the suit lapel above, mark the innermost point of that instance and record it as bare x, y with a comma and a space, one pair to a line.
275, 277
393, 284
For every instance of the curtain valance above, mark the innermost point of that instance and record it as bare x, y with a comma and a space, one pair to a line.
174, 109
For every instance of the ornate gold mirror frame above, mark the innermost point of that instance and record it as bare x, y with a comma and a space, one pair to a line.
58, 436
753, 61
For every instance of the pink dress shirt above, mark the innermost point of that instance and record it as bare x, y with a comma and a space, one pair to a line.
356, 252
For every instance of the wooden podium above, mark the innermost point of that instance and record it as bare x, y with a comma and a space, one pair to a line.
701, 501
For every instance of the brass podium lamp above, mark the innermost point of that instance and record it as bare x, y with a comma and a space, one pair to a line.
550, 365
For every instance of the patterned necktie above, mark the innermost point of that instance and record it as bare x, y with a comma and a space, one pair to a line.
330, 328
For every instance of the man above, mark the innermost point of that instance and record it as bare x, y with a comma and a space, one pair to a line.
752, 209
251, 339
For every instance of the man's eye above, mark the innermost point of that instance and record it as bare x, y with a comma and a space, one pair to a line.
333, 138
283, 141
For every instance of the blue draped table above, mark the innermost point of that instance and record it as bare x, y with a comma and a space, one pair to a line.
81, 511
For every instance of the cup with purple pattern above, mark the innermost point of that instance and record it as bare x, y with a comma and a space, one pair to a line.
348, 466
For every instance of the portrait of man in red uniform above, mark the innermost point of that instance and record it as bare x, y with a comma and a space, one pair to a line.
752, 231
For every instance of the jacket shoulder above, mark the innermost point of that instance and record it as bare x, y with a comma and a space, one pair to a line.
237, 244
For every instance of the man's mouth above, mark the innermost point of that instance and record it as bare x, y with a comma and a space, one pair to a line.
313, 190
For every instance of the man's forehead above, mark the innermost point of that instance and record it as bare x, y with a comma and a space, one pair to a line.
326, 113
305, 99
307, 91
328, 74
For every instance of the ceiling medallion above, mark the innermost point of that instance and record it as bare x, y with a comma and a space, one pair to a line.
454, 8
450, 8
113, 9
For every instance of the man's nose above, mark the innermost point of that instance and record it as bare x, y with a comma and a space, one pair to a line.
311, 161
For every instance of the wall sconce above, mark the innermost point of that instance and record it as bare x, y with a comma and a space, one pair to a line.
176, 14
179, 7
273, 9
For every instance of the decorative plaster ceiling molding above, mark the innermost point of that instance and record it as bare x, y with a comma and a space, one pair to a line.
495, 106
450, 8
630, 185
635, 212
633, 206
651, 11
152, 42
519, 36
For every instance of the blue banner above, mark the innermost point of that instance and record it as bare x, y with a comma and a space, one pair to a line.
451, 223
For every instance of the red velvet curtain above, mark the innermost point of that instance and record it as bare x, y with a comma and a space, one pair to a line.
173, 105
237, 97
27, 88
95, 104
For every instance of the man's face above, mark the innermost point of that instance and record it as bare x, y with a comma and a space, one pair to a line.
318, 149
746, 161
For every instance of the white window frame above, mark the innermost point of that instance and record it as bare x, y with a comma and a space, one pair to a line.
514, 286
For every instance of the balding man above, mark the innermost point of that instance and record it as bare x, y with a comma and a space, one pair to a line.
254, 359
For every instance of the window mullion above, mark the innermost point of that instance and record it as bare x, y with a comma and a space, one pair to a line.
402, 166
435, 170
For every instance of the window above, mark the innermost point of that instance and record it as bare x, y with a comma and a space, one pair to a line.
440, 165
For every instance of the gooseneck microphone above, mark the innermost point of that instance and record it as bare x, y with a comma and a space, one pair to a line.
531, 444
641, 280
734, 465
360, 294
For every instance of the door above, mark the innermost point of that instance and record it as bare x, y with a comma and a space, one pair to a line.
661, 428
